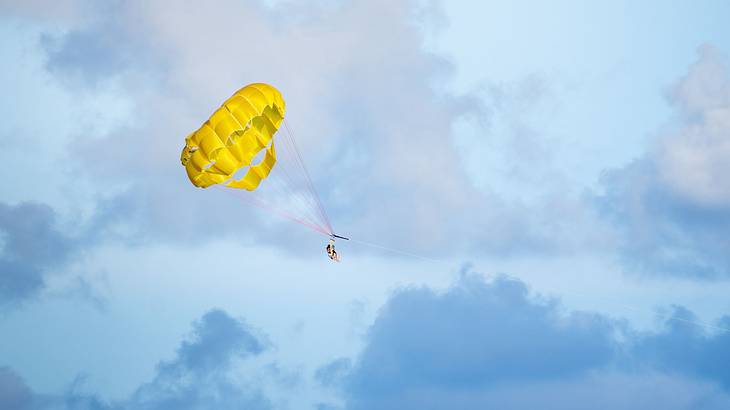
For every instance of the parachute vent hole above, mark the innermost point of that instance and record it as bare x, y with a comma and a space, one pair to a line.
210, 164
258, 158
240, 173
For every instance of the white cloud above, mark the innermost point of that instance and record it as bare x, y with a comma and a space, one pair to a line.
693, 162
359, 89
672, 203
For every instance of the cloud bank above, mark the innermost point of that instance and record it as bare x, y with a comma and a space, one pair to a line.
478, 344
491, 345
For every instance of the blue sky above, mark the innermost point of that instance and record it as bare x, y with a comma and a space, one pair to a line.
557, 172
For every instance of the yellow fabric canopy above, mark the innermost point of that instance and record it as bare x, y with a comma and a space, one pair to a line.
233, 137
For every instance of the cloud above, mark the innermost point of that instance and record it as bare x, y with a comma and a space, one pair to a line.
367, 102
474, 335
686, 349
18, 282
706, 87
36, 242
65, 11
673, 204
486, 344
478, 344
30, 232
97, 52
332, 373
198, 377
611, 391
218, 338
693, 161
14, 393
32, 246
84, 57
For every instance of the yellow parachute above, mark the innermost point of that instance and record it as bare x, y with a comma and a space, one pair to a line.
233, 136
235, 148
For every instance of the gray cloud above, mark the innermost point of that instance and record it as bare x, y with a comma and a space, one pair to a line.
18, 282
474, 335
603, 391
84, 57
35, 242
32, 245
489, 345
332, 373
199, 377
65, 11
14, 393
218, 338
686, 349
100, 50
30, 232
673, 204
478, 344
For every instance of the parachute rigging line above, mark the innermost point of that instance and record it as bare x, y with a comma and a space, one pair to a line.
275, 210
289, 181
290, 138
298, 200
398, 251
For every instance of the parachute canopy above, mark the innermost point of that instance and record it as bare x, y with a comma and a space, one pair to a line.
225, 146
